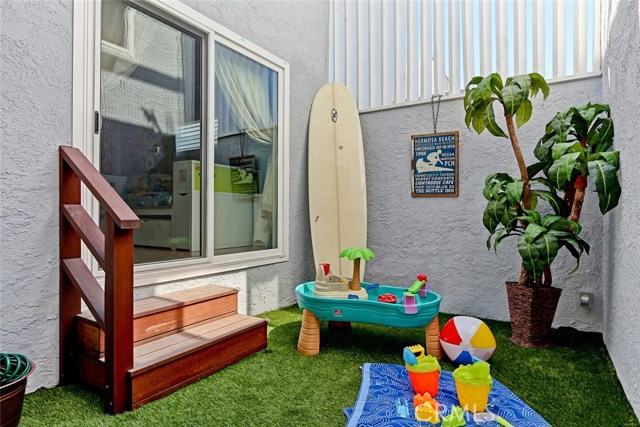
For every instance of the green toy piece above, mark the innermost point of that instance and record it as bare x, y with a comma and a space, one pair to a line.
416, 286
455, 419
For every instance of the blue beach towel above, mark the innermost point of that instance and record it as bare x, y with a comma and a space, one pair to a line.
382, 384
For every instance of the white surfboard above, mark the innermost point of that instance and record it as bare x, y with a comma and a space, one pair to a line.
337, 183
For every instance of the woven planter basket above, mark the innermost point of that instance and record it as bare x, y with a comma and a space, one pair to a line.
532, 311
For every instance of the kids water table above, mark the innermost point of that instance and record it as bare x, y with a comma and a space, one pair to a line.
369, 310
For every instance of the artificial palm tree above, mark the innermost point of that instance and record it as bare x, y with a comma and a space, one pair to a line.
355, 255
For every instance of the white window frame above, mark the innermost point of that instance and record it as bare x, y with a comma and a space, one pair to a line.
86, 100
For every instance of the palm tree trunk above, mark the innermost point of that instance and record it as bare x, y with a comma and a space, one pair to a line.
579, 186
570, 194
524, 175
524, 276
355, 281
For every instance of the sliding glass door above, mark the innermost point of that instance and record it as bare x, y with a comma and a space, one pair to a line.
151, 127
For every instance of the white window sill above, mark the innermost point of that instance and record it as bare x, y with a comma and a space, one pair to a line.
155, 274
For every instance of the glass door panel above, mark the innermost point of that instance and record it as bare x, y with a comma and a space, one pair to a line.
245, 183
151, 133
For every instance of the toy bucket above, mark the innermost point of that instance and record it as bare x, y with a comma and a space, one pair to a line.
473, 398
425, 382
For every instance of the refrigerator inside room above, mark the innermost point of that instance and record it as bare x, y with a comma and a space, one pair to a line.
186, 218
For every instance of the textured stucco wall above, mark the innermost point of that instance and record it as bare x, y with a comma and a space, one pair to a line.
35, 117
35, 106
621, 73
444, 237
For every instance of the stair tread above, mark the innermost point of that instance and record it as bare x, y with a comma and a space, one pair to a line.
158, 303
164, 350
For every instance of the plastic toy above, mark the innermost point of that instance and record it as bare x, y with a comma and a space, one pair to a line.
389, 298
473, 385
455, 418
402, 408
424, 371
355, 255
409, 303
426, 412
329, 285
421, 399
420, 286
488, 417
465, 337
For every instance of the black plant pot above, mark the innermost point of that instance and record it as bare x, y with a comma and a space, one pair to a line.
532, 311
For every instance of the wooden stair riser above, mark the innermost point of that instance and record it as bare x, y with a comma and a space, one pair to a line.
147, 328
90, 372
159, 382
167, 378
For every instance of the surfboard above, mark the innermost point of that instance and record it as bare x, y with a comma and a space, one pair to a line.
337, 182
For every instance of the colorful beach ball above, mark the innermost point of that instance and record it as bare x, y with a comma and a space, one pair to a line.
464, 337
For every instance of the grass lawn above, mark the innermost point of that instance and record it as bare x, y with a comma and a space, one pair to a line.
571, 384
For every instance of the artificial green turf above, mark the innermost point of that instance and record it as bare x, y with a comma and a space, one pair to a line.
571, 384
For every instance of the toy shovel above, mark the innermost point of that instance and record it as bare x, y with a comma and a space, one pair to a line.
485, 417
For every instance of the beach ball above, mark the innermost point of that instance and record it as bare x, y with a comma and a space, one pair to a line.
464, 337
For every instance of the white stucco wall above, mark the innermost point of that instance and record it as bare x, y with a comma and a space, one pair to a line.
621, 73
35, 118
444, 237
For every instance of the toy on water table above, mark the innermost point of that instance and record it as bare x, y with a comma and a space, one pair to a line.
331, 285
355, 255
390, 298
424, 371
464, 337
420, 286
473, 385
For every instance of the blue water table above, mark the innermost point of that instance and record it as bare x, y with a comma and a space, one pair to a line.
336, 299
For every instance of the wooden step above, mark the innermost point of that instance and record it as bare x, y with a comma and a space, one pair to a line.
162, 315
166, 365
172, 362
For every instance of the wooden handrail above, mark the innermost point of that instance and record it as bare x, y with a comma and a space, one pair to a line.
112, 203
88, 287
113, 249
87, 229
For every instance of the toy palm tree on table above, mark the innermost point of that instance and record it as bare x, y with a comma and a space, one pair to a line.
355, 255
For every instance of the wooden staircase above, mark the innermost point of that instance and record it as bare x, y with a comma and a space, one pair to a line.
178, 338
135, 352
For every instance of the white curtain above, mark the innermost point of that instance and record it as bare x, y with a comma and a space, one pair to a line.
248, 87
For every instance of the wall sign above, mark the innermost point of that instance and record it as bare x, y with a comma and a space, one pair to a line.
434, 165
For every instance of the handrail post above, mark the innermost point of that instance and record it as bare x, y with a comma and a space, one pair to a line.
70, 247
118, 316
